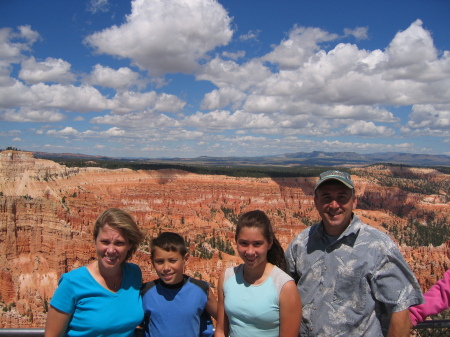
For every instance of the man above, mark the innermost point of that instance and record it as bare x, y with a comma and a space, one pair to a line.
352, 279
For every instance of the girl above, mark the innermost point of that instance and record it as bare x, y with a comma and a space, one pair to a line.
257, 298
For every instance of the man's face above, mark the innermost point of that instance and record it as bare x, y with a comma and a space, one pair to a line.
335, 202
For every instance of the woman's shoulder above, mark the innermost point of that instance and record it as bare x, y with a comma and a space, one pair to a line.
131, 266
132, 269
76, 273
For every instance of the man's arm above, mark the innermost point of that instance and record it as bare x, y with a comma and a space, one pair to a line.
400, 325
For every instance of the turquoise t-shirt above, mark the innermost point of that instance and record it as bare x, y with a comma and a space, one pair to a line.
253, 310
96, 311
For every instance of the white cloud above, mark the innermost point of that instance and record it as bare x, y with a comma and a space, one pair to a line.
344, 82
367, 129
128, 101
142, 120
436, 117
29, 115
121, 78
42, 97
50, 70
69, 98
250, 35
360, 33
166, 36
218, 99
114, 131
234, 56
299, 47
95, 6
222, 120
66, 132
13, 44
231, 74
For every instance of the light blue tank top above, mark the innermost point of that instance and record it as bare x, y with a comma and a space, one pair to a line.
253, 310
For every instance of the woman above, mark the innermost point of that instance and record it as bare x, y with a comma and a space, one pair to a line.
257, 298
437, 299
102, 298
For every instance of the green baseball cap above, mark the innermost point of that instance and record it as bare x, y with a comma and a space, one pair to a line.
343, 177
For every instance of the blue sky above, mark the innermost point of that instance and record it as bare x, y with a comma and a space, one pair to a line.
188, 78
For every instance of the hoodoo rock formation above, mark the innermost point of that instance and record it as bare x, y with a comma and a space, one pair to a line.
47, 212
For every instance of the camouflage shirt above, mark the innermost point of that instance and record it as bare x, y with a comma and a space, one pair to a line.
349, 287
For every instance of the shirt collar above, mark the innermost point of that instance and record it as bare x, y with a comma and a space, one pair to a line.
352, 229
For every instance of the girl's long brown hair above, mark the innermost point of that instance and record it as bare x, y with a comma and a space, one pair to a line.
259, 219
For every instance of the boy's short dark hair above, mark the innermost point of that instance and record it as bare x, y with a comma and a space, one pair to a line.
170, 242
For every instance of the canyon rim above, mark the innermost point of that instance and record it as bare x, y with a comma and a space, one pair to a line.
47, 212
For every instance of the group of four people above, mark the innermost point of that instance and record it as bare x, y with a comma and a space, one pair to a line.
339, 277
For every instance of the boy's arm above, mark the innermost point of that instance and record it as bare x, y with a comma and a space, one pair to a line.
222, 328
211, 305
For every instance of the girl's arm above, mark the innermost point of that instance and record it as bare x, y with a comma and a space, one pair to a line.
290, 310
211, 305
222, 328
56, 323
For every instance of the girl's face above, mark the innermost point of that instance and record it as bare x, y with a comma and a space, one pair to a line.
252, 246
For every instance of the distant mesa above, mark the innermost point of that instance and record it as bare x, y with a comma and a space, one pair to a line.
315, 158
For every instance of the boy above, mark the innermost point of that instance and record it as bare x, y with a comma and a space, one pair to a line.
176, 304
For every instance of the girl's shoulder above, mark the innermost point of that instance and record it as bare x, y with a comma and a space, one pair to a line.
231, 271
280, 278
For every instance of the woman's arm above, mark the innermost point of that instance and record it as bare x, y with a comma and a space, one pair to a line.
290, 310
211, 305
56, 323
222, 328
437, 299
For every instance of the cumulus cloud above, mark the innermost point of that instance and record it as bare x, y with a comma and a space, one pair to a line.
428, 118
129, 101
144, 121
311, 84
234, 56
57, 96
360, 33
221, 98
368, 129
299, 47
166, 36
30, 115
222, 120
121, 78
230, 73
66, 132
50, 70
343, 82
13, 43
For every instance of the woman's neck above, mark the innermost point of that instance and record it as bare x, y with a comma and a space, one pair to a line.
108, 273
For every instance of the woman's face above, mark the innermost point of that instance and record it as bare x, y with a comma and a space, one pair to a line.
252, 246
112, 247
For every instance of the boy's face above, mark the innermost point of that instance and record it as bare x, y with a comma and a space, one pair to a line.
169, 265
